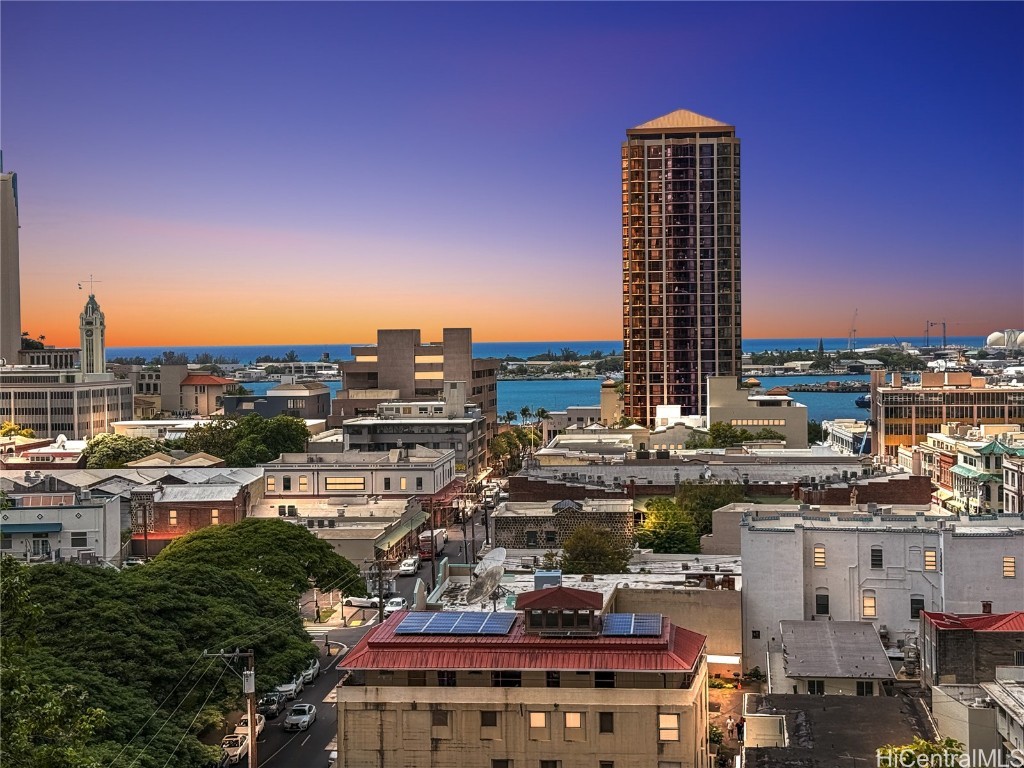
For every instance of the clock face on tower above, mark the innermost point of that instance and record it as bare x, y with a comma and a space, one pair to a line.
88, 334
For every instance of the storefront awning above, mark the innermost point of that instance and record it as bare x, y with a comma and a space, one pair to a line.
31, 527
400, 531
942, 494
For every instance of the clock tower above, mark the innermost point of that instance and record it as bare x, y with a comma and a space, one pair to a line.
92, 328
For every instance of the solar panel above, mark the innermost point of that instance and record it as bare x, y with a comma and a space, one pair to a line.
441, 623
498, 623
631, 624
469, 623
412, 624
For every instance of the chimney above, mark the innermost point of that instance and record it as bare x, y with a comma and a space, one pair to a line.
986, 606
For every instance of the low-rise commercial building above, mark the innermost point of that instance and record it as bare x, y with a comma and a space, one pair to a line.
547, 524
305, 400
44, 526
825, 658
161, 513
966, 649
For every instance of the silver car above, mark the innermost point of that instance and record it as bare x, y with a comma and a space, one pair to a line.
300, 717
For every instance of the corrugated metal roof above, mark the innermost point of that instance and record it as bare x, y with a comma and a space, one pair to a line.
675, 650
977, 622
841, 649
567, 598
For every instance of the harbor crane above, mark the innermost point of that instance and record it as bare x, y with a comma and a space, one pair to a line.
853, 332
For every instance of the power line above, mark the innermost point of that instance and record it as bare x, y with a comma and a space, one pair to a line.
198, 713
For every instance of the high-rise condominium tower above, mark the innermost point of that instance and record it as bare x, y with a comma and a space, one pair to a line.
10, 283
680, 261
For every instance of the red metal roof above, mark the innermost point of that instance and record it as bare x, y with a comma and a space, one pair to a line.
567, 598
195, 378
977, 622
675, 650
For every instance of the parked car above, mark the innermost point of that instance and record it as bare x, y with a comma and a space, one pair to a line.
131, 562
309, 674
272, 704
409, 566
363, 602
236, 746
395, 604
332, 759
300, 717
243, 725
291, 689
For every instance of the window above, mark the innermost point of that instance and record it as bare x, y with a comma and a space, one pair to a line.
488, 719
867, 604
501, 762
550, 537
344, 484
668, 727
816, 687
1009, 567
79, 539
606, 722
876, 558
819, 555
506, 679
538, 719
554, 679
931, 559
604, 679
606, 764
755, 634
172, 517
214, 517
387, 483
865, 688
550, 764
419, 483
403, 483
916, 606
286, 483
303, 483
821, 604
1018, 658
439, 718
6, 541
573, 719
271, 483
446, 679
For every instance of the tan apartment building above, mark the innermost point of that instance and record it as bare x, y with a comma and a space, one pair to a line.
400, 366
203, 394
680, 261
905, 414
555, 684
774, 410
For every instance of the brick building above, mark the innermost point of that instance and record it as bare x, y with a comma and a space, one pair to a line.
967, 648
547, 524
161, 513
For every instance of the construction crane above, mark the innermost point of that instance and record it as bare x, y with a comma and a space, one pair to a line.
853, 331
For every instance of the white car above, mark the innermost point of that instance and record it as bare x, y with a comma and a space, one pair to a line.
131, 562
363, 602
291, 689
300, 717
243, 725
235, 746
395, 604
309, 674
409, 567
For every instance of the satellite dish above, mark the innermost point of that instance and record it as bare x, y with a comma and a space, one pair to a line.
61, 441
485, 584
495, 557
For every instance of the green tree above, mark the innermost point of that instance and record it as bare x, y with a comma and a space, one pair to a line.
699, 500
815, 434
907, 754
510, 416
10, 429
291, 357
526, 412
724, 435
248, 440
589, 549
612, 364
542, 413
110, 451
667, 528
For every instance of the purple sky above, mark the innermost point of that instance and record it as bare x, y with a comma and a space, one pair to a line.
306, 172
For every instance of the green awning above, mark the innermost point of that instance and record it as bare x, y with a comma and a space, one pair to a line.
31, 527
400, 531
973, 474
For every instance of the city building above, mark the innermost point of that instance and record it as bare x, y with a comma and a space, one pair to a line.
92, 328
904, 414
161, 513
681, 309
10, 277
203, 394
1013, 485
401, 367
546, 525
884, 565
555, 684
47, 526
1006, 693
731, 404
52, 357
966, 649
825, 658
305, 400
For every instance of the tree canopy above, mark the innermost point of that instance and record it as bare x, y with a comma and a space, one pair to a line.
589, 549
110, 451
248, 440
114, 670
724, 435
668, 528
10, 429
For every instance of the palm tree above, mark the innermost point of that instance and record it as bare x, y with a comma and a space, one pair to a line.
510, 416
526, 413
541, 414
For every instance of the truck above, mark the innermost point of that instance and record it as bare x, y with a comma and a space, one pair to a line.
432, 542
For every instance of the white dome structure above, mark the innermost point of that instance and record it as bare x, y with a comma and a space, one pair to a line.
1009, 339
997, 339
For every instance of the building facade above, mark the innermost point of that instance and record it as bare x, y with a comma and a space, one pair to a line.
203, 394
301, 400
60, 527
53, 402
10, 275
730, 404
524, 696
547, 524
681, 310
161, 513
92, 328
966, 649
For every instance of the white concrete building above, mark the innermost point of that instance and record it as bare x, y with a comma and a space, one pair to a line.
60, 527
884, 566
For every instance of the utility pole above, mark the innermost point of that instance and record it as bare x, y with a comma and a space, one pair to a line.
433, 546
249, 689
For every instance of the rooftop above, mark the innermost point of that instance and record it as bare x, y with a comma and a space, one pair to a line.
978, 622
834, 649
680, 119
194, 379
674, 650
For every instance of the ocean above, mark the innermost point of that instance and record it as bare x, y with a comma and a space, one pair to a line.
501, 349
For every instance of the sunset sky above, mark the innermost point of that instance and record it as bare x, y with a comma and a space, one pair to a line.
236, 173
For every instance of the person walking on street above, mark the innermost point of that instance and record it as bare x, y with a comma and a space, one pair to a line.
730, 727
